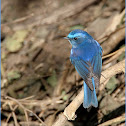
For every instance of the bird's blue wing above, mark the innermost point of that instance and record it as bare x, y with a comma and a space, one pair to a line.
89, 69
96, 63
84, 70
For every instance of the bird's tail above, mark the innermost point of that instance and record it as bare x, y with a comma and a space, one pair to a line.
90, 98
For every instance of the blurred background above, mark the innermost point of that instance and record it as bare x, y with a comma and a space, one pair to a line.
38, 80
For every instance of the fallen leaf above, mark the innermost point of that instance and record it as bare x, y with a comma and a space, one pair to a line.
52, 80
14, 42
112, 84
12, 75
108, 104
77, 27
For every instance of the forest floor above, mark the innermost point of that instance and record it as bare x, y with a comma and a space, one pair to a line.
38, 80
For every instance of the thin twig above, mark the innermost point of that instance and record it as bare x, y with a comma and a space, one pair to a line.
113, 41
19, 20
11, 114
14, 116
111, 54
15, 100
117, 68
31, 123
113, 121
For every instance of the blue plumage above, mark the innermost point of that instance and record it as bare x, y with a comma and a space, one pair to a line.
86, 56
90, 98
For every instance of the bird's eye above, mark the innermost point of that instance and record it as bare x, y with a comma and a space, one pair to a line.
75, 38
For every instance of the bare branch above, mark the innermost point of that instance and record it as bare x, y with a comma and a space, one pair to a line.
70, 110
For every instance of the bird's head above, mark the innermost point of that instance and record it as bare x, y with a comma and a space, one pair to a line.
77, 36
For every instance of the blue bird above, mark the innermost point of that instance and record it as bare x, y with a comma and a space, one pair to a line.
86, 56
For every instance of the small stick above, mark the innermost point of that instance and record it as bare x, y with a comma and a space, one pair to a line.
113, 121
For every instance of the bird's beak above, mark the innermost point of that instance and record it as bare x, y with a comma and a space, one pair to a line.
66, 38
